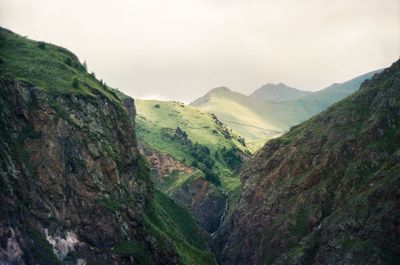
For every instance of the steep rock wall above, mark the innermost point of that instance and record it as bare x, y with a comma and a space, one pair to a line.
327, 192
73, 185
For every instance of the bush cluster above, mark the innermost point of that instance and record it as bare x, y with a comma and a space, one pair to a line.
231, 156
201, 156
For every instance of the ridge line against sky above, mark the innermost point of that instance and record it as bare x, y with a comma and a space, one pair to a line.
180, 49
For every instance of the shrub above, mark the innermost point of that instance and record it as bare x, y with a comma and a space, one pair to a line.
75, 83
68, 61
180, 133
129, 249
84, 65
143, 167
211, 176
42, 45
231, 156
242, 141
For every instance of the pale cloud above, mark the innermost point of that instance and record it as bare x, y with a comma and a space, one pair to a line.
179, 49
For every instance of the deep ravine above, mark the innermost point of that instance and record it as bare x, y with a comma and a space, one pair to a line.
222, 218
76, 189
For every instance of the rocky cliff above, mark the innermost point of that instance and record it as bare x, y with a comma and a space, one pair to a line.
188, 187
62, 172
328, 191
195, 158
74, 187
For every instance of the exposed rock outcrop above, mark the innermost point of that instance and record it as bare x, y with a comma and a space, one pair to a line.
71, 179
328, 191
74, 188
164, 165
204, 200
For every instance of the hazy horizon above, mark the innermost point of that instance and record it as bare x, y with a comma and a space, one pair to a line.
179, 50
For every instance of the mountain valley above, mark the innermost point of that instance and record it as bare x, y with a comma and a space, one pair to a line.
89, 175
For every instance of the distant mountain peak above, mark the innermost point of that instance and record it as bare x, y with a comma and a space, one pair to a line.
273, 85
278, 92
219, 89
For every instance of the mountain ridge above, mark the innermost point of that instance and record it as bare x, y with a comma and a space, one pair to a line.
277, 93
327, 191
243, 113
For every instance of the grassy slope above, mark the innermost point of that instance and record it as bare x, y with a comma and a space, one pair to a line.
53, 69
238, 113
199, 126
166, 219
241, 113
259, 120
278, 93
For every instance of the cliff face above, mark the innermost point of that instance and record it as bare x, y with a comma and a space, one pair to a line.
205, 202
74, 188
328, 191
194, 192
66, 162
195, 158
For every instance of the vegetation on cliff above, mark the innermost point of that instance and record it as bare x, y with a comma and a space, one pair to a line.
74, 187
326, 192
82, 181
190, 136
195, 158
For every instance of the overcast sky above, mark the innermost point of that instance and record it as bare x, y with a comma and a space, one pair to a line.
179, 49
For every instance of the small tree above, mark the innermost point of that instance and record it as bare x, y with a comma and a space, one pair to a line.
84, 65
68, 61
75, 83
42, 45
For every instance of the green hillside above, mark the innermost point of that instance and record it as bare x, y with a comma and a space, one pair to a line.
164, 217
195, 158
68, 145
272, 109
241, 113
196, 138
50, 67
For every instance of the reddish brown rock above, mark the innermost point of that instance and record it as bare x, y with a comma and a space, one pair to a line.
328, 191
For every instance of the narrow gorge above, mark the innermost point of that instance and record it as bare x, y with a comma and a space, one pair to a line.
89, 175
